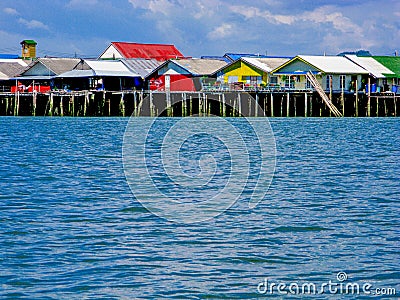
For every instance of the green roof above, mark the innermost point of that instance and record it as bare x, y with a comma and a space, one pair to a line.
29, 42
390, 62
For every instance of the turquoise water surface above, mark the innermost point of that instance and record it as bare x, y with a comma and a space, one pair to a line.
71, 228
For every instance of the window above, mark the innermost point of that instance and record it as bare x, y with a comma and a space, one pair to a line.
233, 79
273, 79
342, 81
308, 84
328, 82
255, 79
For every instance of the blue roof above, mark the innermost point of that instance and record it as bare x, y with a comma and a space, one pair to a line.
9, 56
236, 56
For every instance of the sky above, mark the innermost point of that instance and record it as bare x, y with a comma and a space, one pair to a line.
85, 28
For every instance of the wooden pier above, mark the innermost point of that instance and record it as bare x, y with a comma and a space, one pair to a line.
209, 103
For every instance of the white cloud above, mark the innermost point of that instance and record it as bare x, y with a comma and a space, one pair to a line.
10, 11
33, 24
220, 32
164, 7
79, 3
328, 14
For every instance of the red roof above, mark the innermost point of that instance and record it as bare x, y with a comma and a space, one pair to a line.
156, 51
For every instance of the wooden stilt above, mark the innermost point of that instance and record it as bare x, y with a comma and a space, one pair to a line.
385, 106
85, 103
223, 105
256, 108
152, 106
17, 104
183, 105
7, 99
51, 104
369, 98
122, 105
190, 105
239, 105
200, 105
287, 104
272, 105
305, 104
61, 106
34, 98
73, 105
356, 101
135, 103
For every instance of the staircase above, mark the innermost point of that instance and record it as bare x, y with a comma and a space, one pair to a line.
314, 82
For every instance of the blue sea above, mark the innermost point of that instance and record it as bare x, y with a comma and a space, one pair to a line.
72, 228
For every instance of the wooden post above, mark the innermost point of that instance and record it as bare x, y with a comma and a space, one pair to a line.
183, 104
305, 104
256, 108
220, 104
205, 106
34, 95
295, 106
73, 105
384, 103
122, 104
51, 104
272, 105
287, 104
369, 98
377, 106
61, 106
200, 105
190, 105
239, 105
342, 94
356, 98
135, 104
223, 105
16, 107
85, 103
283, 96
7, 99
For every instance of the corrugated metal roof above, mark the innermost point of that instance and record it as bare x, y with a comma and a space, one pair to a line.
11, 69
77, 74
143, 67
371, 65
390, 62
3, 76
333, 64
17, 60
265, 64
100, 68
198, 66
55, 65
110, 68
160, 52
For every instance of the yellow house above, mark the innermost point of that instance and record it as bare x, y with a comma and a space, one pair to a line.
28, 49
249, 72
